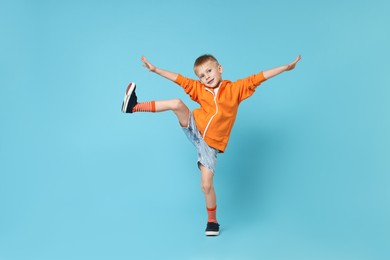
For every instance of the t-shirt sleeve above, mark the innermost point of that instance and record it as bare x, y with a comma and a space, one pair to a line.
190, 86
247, 86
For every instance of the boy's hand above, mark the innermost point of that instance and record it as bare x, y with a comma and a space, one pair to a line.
276, 71
147, 64
164, 73
291, 66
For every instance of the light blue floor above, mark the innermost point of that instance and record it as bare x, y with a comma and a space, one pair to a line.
306, 172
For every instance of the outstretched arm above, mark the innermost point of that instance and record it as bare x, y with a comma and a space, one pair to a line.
164, 73
276, 71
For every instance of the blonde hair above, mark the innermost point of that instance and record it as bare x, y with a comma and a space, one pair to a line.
203, 59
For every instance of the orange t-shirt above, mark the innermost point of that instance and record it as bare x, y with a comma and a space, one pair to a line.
217, 113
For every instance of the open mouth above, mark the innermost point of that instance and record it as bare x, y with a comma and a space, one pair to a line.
210, 82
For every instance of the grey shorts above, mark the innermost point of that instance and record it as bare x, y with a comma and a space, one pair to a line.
207, 156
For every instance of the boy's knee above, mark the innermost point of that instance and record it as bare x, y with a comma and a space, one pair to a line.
177, 104
207, 187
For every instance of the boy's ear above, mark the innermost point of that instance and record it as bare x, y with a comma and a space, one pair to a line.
220, 68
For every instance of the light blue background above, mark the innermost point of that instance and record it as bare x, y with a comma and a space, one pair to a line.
306, 172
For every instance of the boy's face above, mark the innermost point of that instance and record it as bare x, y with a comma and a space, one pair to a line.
209, 73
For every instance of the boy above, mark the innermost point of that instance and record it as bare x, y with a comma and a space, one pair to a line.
209, 126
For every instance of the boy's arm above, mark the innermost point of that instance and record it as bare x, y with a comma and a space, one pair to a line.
164, 73
276, 71
190, 86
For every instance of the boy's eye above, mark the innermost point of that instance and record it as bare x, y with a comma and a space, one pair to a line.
209, 70
201, 76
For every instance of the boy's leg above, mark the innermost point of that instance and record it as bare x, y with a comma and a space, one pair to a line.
130, 105
181, 111
208, 187
212, 228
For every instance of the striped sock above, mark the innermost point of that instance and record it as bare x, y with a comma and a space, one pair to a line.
145, 107
212, 214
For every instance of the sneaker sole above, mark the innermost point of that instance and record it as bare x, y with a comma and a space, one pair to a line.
212, 233
127, 96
